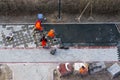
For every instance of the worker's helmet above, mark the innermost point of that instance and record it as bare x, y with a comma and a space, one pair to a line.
40, 16
52, 30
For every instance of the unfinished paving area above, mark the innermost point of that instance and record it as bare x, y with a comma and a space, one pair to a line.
28, 62
23, 49
84, 34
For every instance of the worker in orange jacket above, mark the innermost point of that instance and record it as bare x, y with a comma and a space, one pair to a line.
51, 33
38, 26
83, 70
43, 42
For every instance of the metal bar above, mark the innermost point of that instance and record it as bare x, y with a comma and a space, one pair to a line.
59, 9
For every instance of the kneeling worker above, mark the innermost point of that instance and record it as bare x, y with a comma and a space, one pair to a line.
83, 70
43, 42
51, 33
38, 26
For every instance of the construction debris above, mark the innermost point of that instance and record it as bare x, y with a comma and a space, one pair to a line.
97, 71
64, 69
96, 67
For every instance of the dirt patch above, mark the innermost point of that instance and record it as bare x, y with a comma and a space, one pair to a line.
17, 7
22, 11
65, 18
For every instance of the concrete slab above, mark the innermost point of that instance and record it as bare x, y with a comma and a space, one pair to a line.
43, 55
32, 71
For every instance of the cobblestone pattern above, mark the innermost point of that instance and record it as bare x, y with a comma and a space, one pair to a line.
23, 36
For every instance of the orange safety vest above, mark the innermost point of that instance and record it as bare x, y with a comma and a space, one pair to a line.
51, 33
43, 42
38, 25
83, 71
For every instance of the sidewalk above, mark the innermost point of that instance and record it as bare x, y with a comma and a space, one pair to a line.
32, 71
43, 55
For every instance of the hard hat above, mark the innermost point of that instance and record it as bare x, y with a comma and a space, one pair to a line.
40, 16
52, 30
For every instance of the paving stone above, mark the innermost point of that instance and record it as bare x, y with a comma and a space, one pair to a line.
3, 26
23, 36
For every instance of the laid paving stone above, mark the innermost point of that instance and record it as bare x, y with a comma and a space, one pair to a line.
22, 35
3, 26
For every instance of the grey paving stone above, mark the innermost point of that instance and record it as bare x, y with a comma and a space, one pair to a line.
3, 26
23, 35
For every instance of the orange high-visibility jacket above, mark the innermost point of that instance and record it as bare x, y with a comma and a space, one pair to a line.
51, 33
83, 71
38, 25
43, 42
